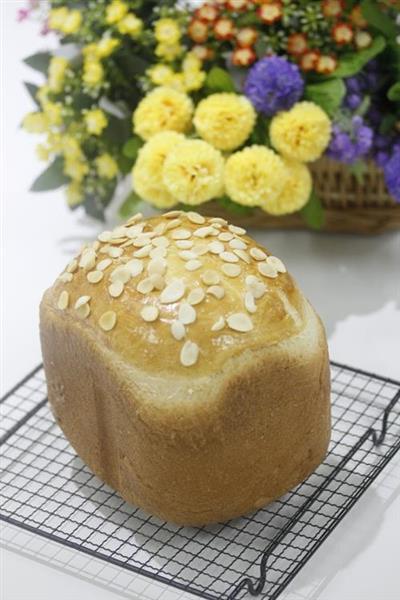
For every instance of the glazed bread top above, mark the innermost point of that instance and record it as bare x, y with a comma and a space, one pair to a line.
179, 293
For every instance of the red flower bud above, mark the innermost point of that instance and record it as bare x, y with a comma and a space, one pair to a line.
207, 13
297, 44
237, 5
332, 8
309, 60
357, 17
270, 12
342, 33
224, 29
198, 31
203, 52
247, 37
243, 57
326, 64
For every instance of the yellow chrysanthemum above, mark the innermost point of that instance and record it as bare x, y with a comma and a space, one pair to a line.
169, 52
148, 170
57, 67
116, 11
163, 109
74, 194
106, 166
36, 122
193, 80
225, 120
53, 111
57, 17
95, 121
194, 172
130, 25
191, 63
302, 133
93, 73
105, 47
76, 169
295, 193
160, 74
167, 31
72, 22
254, 175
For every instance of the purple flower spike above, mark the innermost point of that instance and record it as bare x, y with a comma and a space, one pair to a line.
274, 84
350, 145
392, 175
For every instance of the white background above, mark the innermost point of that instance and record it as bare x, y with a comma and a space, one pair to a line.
352, 281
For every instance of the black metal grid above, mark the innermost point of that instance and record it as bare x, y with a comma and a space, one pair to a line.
45, 488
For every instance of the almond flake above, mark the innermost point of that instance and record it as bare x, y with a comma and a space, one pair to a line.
258, 254
240, 322
73, 266
121, 273
255, 286
173, 292
184, 244
219, 324
135, 267
237, 230
216, 247
231, 270
172, 213
225, 236
158, 252
143, 252
204, 232
243, 255
267, 270
116, 289
105, 249
194, 217
145, 286
196, 296
189, 354
149, 313
66, 277
276, 263
218, 220
173, 224
104, 236
193, 265
63, 300
217, 291
158, 281
249, 302
181, 234
108, 320
104, 264
94, 276
135, 218
96, 245
237, 244
210, 277
88, 260
187, 255
186, 313
119, 232
229, 257
115, 252
157, 266
142, 240
160, 241
200, 250
135, 230
83, 311
159, 229
178, 330
82, 300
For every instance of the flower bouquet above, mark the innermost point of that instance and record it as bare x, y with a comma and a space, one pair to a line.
277, 112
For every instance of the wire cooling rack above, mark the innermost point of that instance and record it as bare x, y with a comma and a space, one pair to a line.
45, 488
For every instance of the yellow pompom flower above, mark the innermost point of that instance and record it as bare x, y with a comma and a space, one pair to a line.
296, 191
160, 74
71, 148
42, 94
106, 166
95, 121
76, 169
302, 133
194, 172
191, 63
74, 194
254, 175
53, 111
225, 120
93, 73
36, 122
193, 80
116, 11
72, 22
90, 52
167, 31
57, 16
42, 152
148, 170
169, 52
105, 47
130, 25
57, 67
163, 109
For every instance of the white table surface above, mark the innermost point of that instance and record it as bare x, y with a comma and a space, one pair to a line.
352, 281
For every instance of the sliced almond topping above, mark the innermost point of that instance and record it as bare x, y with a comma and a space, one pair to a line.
121, 273
172, 224
88, 259
135, 230
158, 281
157, 266
142, 240
276, 263
135, 267
216, 247
172, 213
143, 252
238, 244
217, 291
187, 255
225, 236
193, 265
242, 254
184, 244
257, 254
237, 230
267, 270
210, 277
149, 313
83, 311
159, 229
158, 252
240, 322
229, 257
94, 276
81, 301
200, 249
219, 220
196, 296
108, 320
105, 249
118, 241
135, 218
119, 232
96, 245
104, 236
173, 292
116, 289
186, 313
115, 252
231, 270
145, 286
161, 241
189, 354
219, 324
255, 286
204, 232
194, 217
178, 330
104, 264
72, 267
66, 277
249, 302
181, 234
63, 300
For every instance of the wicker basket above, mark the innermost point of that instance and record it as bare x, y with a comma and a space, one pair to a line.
349, 206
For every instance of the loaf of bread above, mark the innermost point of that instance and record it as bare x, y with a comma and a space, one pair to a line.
186, 368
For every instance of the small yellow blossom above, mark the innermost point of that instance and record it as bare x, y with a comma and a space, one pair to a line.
106, 166
57, 67
255, 176
148, 169
163, 109
167, 31
116, 11
302, 133
74, 194
160, 74
194, 172
169, 52
42, 94
191, 63
95, 121
194, 80
90, 52
71, 148
105, 47
177, 82
57, 17
130, 25
296, 191
36, 122
42, 152
53, 111
54, 142
72, 22
76, 169
93, 73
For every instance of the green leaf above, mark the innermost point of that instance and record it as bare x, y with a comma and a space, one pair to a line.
128, 207
52, 178
352, 63
248, 19
39, 61
313, 212
125, 164
219, 80
117, 131
260, 131
394, 92
328, 94
378, 19
32, 89
387, 124
131, 147
234, 207
358, 169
